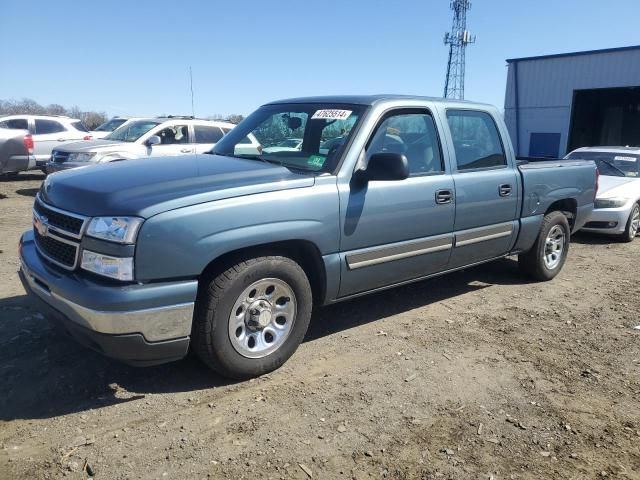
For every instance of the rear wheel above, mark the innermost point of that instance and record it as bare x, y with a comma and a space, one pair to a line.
633, 224
548, 254
251, 318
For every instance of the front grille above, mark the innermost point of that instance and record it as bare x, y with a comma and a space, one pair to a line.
57, 234
56, 250
59, 157
57, 219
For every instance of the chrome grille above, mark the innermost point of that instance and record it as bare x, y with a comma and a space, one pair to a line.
57, 234
59, 157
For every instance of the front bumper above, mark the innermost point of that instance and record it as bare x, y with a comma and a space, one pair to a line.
138, 324
611, 221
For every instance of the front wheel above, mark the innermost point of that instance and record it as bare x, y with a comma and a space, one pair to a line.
251, 318
633, 223
548, 254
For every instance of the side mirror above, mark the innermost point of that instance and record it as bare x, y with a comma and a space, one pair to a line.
385, 167
153, 140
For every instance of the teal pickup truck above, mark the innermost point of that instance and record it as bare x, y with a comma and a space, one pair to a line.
226, 253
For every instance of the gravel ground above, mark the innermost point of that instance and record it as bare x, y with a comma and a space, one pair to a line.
475, 375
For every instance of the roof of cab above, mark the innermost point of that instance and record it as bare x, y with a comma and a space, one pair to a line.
370, 100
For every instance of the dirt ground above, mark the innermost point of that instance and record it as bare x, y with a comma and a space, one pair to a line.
475, 375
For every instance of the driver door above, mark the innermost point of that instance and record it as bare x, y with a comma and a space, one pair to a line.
394, 231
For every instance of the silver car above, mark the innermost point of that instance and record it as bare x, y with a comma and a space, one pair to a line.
142, 138
617, 205
47, 131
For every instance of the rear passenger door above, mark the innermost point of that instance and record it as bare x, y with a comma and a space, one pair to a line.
205, 137
487, 188
48, 133
393, 231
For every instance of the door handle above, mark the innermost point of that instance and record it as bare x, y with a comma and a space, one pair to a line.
504, 190
62, 139
185, 150
444, 196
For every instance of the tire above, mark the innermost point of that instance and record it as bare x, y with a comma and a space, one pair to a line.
229, 314
540, 263
633, 222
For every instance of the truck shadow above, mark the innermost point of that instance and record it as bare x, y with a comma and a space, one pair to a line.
588, 238
45, 374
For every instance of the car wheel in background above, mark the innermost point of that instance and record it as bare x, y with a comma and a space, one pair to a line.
548, 254
633, 224
251, 317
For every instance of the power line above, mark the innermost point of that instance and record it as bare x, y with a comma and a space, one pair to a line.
457, 39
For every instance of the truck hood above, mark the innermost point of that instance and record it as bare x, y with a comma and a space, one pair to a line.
90, 146
626, 187
150, 186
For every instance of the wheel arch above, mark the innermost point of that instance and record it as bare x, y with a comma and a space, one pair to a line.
568, 206
303, 252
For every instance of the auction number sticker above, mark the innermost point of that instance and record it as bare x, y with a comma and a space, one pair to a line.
331, 115
625, 159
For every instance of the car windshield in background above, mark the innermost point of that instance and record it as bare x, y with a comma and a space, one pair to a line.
132, 131
111, 125
611, 163
294, 135
78, 125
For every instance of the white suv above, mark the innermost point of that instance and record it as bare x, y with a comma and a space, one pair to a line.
142, 138
47, 131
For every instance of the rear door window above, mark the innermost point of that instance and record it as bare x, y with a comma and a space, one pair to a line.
207, 134
44, 127
15, 124
475, 139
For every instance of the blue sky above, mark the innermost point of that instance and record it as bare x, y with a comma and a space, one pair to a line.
133, 57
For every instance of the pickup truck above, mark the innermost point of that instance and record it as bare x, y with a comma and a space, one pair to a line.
227, 253
16, 151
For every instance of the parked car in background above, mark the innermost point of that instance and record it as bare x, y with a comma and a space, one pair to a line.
617, 206
109, 126
141, 138
16, 151
288, 145
47, 132
229, 252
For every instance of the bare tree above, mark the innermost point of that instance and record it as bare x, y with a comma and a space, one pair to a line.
28, 106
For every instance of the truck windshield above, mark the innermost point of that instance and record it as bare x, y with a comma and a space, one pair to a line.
132, 131
611, 163
293, 135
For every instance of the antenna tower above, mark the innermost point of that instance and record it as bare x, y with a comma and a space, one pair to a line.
457, 39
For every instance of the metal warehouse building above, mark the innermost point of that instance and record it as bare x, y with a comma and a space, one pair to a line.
556, 103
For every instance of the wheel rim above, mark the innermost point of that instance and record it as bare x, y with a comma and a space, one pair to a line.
262, 318
554, 247
635, 222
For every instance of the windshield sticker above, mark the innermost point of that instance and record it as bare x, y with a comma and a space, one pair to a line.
624, 159
316, 161
331, 115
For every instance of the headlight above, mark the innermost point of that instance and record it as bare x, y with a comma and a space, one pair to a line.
115, 229
81, 157
610, 202
120, 268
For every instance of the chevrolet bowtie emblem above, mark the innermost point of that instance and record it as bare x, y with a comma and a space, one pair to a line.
41, 225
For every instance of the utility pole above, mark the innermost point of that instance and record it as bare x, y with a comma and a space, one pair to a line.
457, 39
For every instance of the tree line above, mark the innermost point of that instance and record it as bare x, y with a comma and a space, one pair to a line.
90, 119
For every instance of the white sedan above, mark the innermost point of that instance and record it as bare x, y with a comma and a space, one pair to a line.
617, 205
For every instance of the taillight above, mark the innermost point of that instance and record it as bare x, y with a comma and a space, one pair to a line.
88, 137
597, 182
28, 143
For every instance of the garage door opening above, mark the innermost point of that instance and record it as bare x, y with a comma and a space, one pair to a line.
605, 116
